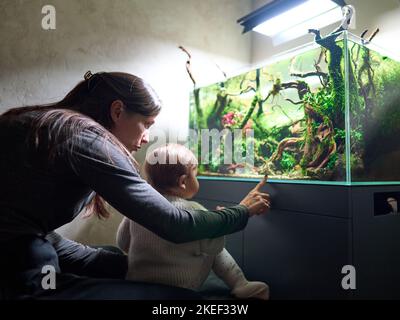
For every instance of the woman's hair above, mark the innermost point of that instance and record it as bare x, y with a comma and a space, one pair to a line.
87, 107
164, 165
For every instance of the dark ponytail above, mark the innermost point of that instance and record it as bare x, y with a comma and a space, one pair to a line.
87, 107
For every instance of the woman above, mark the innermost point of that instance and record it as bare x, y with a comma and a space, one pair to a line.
62, 158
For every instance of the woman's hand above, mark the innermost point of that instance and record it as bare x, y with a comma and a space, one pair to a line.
257, 202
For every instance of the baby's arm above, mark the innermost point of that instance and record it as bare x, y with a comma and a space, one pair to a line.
123, 235
228, 270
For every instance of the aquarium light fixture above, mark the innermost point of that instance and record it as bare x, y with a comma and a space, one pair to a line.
290, 19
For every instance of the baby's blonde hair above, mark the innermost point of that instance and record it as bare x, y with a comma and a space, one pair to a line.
164, 165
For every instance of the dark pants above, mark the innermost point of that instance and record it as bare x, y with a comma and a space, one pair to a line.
81, 272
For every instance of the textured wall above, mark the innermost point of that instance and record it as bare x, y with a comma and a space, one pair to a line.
137, 36
370, 14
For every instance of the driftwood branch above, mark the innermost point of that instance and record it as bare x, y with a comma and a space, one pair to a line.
293, 102
367, 41
323, 76
248, 89
256, 101
196, 91
188, 64
363, 33
222, 71
283, 145
310, 74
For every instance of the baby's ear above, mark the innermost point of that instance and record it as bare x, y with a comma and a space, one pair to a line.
182, 181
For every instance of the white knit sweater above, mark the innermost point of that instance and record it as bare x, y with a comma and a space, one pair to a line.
153, 259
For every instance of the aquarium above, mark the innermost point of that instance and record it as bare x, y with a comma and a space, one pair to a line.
328, 112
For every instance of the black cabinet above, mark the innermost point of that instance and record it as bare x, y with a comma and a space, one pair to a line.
300, 247
376, 246
294, 253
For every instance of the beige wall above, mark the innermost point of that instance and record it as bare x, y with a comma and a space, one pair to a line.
137, 36
370, 14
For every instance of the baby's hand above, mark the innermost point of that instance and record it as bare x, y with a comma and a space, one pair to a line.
257, 202
219, 208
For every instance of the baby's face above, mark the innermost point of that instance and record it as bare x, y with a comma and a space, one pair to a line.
192, 185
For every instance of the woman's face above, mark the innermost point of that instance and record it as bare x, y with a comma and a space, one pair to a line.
132, 129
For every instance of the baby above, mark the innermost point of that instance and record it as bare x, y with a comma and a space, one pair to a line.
187, 265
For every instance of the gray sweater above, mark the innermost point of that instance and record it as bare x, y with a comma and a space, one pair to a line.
38, 196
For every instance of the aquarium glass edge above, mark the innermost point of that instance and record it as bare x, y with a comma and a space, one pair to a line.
310, 182
347, 107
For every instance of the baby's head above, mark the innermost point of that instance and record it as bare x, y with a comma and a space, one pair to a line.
172, 170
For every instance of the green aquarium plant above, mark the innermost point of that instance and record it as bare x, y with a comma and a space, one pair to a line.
327, 113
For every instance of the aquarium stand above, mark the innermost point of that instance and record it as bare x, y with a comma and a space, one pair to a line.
301, 246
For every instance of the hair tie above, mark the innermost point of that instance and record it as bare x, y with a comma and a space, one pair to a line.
88, 75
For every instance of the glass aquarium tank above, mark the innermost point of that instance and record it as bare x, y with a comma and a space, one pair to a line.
328, 112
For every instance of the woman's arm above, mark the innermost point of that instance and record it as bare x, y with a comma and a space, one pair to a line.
122, 187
